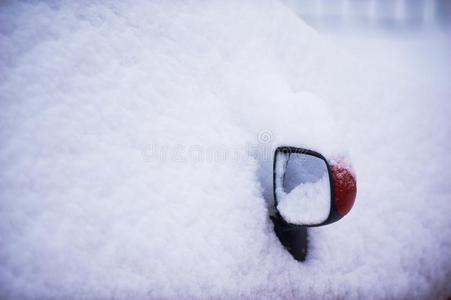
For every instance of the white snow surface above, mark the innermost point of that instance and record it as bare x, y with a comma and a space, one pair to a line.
308, 203
109, 109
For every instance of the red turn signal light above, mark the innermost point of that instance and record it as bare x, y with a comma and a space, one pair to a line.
345, 187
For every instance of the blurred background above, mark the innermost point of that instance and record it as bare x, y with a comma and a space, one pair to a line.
408, 36
380, 15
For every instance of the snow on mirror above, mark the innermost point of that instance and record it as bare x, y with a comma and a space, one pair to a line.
302, 188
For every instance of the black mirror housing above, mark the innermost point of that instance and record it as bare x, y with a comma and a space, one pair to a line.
342, 186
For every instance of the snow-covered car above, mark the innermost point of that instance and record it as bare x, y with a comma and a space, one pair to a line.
137, 143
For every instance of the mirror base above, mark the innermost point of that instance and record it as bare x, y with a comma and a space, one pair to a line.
293, 238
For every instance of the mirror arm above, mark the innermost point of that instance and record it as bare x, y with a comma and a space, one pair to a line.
293, 237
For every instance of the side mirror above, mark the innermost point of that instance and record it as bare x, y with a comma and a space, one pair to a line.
308, 191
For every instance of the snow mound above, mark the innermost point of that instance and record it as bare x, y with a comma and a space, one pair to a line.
308, 203
136, 156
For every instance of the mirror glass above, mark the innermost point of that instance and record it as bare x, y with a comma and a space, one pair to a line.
302, 188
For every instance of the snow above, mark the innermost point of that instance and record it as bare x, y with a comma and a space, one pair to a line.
308, 203
136, 147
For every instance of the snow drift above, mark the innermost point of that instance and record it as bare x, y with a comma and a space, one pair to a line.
134, 160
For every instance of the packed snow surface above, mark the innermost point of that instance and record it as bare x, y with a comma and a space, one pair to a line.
308, 203
136, 143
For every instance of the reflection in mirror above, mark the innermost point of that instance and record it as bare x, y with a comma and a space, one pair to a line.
302, 188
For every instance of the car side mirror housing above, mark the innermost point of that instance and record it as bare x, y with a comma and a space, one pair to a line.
308, 191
